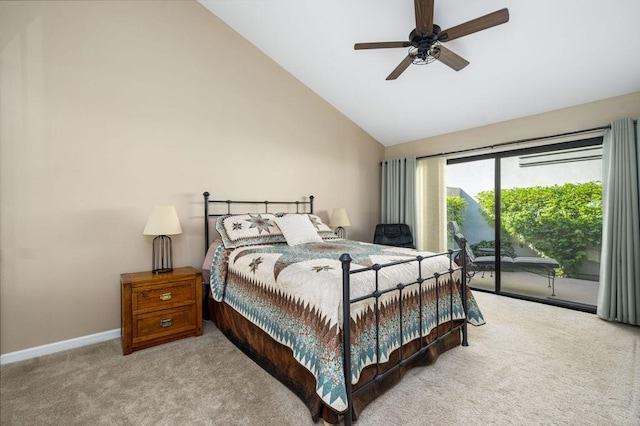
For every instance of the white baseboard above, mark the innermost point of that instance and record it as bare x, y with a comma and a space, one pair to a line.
59, 346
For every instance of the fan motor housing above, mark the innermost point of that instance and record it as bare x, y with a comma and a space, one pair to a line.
424, 42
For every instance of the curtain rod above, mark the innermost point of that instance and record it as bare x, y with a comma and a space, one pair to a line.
519, 141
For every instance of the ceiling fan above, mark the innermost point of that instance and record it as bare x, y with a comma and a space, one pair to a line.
425, 40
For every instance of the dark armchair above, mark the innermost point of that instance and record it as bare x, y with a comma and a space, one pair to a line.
393, 234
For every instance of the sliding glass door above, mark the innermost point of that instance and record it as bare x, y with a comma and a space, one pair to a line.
464, 182
533, 219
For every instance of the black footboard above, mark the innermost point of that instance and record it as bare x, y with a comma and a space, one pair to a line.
400, 287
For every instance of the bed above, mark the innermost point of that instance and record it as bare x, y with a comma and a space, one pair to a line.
280, 285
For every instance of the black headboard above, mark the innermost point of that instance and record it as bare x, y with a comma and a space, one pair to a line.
301, 207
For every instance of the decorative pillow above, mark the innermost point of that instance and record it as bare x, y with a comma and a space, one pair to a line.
323, 230
298, 229
249, 229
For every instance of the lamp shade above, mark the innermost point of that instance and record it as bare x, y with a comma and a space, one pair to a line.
339, 218
163, 220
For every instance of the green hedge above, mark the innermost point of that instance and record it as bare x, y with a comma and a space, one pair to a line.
560, 221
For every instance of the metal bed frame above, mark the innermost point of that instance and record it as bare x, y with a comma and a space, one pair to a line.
347, 272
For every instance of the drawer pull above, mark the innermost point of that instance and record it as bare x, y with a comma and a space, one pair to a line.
165, 296
166, 322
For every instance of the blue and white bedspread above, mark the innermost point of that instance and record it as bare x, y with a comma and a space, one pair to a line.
295, 295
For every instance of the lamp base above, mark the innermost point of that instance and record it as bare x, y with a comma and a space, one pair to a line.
162, 255
341, 232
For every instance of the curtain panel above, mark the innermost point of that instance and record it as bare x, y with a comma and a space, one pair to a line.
398, 198
431, 203
619, 293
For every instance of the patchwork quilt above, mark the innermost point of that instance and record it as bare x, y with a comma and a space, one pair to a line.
295, 295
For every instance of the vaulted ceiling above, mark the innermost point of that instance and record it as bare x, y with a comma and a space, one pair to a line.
550, 55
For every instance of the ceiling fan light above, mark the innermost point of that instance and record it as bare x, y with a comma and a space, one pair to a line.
425, 56
434, 51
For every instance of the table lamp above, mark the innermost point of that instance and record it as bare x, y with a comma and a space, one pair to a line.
162, 221
340, 220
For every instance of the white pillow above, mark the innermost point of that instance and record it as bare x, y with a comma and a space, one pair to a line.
298, 229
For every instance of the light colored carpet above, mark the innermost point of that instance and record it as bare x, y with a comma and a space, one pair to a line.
530, 364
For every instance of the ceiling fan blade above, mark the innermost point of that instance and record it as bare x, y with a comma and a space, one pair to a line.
424, 17
451, 59
400, 68
482, 23
381, 45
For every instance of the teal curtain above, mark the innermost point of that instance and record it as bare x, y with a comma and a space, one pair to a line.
619, 293
398, 198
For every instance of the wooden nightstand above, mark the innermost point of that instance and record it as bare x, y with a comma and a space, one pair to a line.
159, 308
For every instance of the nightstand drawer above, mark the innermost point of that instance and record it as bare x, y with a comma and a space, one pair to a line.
168, 295
163, 323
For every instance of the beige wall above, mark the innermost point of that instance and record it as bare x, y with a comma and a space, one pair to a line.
109, 108
580, 117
